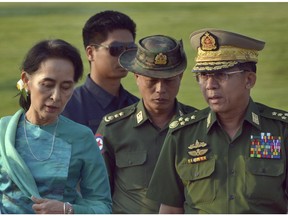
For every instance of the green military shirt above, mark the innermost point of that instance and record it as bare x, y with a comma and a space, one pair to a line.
202, 170
131, 146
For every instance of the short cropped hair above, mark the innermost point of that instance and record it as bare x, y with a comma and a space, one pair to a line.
97, 27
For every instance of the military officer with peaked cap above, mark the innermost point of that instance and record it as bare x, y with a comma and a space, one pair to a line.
232, 156
132, 137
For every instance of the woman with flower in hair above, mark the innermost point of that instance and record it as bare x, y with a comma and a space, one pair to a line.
44, 156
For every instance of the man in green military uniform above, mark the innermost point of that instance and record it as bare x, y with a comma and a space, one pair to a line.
232, 156
133, 137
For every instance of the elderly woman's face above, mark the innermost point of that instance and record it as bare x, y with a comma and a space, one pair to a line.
50, 89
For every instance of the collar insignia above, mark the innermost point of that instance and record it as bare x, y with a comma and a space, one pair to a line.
209, 120
139, 117
255, 118
160, 59
208, 42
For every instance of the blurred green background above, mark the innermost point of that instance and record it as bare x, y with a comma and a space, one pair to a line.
23, 24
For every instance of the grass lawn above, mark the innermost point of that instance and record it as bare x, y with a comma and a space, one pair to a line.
23, 24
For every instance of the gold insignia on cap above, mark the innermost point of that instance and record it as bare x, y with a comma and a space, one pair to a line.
255, 118
139, 117
209, 42
160, 59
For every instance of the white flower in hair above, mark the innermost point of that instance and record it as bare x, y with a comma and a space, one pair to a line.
21, 86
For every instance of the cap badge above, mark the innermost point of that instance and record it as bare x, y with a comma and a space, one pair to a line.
160, 59
209, 42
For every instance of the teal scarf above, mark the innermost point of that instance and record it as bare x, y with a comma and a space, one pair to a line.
12, 162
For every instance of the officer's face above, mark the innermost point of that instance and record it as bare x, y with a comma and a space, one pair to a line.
228, 95
158, 94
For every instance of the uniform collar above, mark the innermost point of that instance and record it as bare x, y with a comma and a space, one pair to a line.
251, 116
141, 114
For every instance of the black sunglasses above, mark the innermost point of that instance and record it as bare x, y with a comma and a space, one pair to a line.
116, 48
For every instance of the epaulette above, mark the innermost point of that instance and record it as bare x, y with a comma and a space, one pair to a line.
119, 114
272, 113
188, 119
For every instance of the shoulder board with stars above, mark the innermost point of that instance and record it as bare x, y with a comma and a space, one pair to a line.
188, 119
119, 114
273, 113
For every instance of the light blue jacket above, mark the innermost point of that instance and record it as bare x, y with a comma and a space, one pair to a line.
86, 164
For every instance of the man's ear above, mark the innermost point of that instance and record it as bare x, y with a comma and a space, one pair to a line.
250, 80
136, 78
89, 53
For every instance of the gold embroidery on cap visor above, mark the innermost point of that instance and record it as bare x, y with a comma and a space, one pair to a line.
225, 57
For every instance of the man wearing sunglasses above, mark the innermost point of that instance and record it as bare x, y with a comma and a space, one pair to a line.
133, 136
232, 156
105, 36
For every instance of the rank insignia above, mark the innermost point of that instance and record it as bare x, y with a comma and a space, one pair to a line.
173, 124
139, 117
209, 42
108, 118
160, 59
255, 118
265, 146
209, 120
197, 151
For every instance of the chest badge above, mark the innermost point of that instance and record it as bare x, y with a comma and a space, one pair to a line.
265, 146
198, 152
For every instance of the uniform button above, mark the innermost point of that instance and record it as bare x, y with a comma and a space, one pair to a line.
231, 197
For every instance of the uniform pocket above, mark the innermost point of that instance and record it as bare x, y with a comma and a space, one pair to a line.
264, 178
131, 170
198, 180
